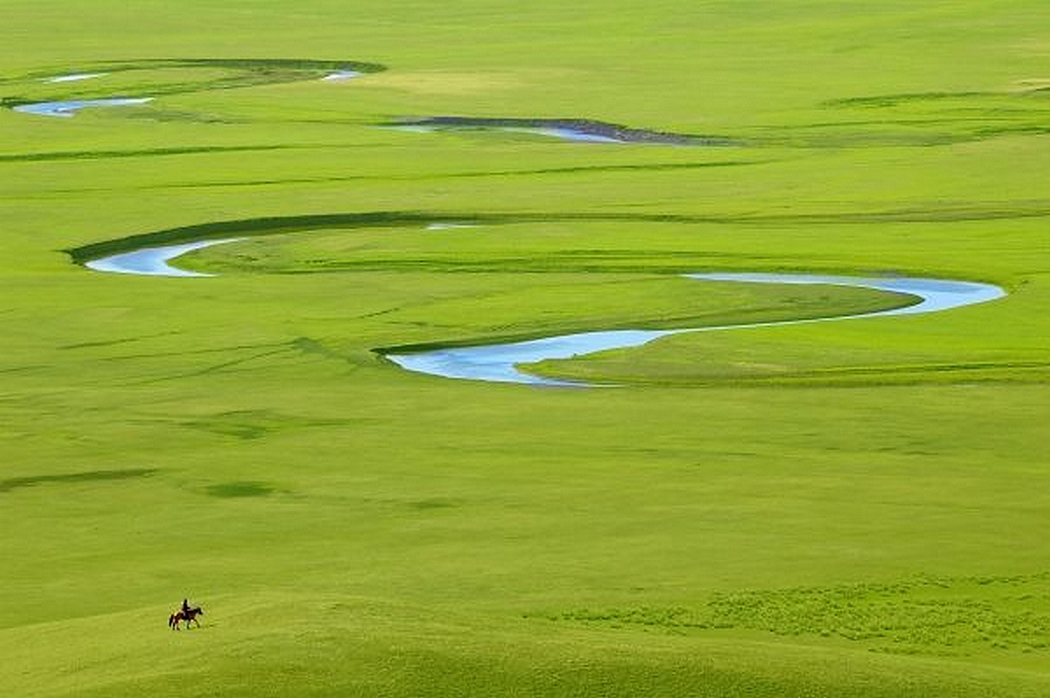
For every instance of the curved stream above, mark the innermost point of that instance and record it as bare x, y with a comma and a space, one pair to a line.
241, 72
499, 362
152, 261
70, 107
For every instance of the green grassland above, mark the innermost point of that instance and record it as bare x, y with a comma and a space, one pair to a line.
853, 508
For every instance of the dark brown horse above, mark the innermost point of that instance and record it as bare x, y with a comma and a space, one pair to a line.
187, 616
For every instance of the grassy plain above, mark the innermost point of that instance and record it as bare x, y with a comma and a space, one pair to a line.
842, 509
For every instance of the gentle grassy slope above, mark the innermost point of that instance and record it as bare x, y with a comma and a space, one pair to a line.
344, 646
842, 509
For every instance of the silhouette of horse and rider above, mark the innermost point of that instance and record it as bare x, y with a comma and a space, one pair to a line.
187, 614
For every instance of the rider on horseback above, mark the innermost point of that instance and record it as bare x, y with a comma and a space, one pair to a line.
186, 614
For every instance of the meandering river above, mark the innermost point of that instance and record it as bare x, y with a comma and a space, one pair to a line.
499, 362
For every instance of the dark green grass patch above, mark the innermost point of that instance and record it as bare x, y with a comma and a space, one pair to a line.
938, 212
239, 489
255, 424
89, 476
150, 152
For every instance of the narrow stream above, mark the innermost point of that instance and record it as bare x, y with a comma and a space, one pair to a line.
152, 261
71, 107
499, 362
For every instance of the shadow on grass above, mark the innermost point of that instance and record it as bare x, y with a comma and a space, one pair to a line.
87, 476
147, 152
244, 488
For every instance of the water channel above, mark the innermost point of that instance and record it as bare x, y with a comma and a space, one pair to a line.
499, 362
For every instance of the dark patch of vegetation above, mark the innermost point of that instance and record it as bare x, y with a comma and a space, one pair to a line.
251, 227
254, 424
929, 119
148, 152
246, 227
656, 167
111, 342
898, 99
241, 488
434, 503
87, 476
269, 64
150, 112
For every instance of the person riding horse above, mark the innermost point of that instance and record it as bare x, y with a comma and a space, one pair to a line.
186, 614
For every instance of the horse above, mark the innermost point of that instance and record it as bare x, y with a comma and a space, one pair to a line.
188, 616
